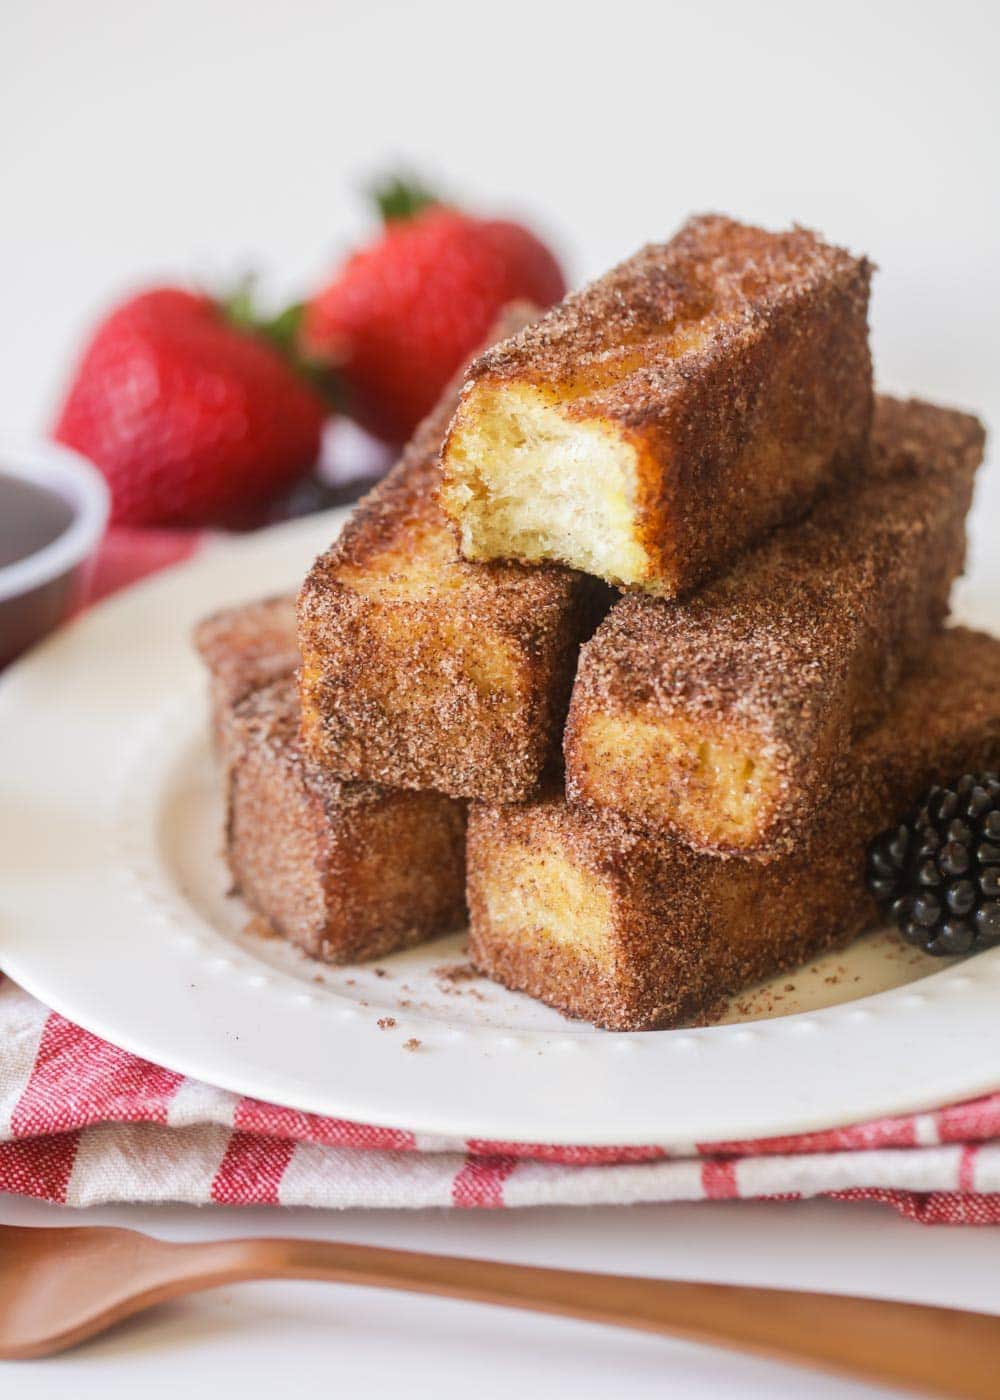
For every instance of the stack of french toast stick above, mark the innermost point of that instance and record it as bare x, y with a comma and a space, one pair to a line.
632, 654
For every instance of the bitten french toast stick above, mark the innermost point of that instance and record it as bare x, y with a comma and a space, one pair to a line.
650, 427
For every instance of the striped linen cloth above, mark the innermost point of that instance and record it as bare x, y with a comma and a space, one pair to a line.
84, 1123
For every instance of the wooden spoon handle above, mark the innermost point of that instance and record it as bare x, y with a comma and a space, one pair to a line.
929, 1349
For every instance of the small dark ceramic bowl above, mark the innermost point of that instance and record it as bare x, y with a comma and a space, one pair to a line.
37, 592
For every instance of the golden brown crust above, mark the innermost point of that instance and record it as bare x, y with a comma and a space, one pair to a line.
735, 361
348, 871
245, 647
423, 671
687, 930
798, 648
714, 268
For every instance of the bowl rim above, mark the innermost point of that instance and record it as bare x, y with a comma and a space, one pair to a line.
75, 479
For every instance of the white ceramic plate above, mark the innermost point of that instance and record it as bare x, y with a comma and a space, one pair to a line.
113, 910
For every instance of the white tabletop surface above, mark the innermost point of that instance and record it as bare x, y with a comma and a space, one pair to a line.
205, 136
261, 1339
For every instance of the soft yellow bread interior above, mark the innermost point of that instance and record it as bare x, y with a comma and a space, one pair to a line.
524, 480
537, 893
666, 771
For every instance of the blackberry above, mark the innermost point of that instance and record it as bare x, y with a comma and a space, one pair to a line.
937, 874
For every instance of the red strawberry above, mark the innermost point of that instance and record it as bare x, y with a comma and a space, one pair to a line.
192, 418
404, 312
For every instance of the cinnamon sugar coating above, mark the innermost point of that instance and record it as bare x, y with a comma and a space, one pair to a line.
724, 717
348, 871
245, 647
630, 929
422, 671
650, 427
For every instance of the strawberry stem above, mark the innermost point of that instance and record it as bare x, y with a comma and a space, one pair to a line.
280, 331
401, 196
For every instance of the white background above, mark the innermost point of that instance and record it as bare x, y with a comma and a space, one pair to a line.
142, 140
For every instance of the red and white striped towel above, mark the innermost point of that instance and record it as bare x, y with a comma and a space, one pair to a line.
82, 1122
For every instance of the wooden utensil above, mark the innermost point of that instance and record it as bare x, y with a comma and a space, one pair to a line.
60, 1286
